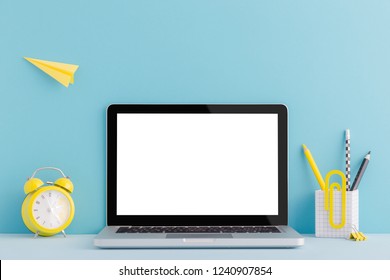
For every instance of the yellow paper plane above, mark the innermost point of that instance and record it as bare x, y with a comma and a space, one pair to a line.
62, 72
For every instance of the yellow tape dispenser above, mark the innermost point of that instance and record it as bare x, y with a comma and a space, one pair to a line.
329, 198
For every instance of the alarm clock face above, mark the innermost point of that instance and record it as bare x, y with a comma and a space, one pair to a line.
51, 209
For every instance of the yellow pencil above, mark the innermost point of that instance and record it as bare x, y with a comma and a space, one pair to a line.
314, 167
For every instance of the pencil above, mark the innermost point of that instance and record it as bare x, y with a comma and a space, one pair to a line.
360, 173
348, 159
314, 167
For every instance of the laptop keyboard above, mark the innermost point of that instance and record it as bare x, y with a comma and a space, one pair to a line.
203, 229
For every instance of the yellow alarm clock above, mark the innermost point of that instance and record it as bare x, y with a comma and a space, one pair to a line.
48, 208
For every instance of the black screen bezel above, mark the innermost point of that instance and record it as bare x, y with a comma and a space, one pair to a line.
195, 220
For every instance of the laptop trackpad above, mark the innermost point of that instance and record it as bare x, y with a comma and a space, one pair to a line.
198, 235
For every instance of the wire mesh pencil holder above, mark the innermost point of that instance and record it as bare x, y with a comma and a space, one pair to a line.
328, 222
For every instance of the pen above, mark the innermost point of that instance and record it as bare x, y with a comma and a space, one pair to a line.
360, 173
348, 158
314, 167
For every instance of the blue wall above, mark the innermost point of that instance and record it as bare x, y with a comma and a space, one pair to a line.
329, 61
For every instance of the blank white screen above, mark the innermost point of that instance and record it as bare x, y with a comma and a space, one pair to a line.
197, 164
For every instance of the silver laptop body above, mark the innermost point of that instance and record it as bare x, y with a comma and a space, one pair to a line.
197, 176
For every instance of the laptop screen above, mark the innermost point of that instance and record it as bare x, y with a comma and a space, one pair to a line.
197, 164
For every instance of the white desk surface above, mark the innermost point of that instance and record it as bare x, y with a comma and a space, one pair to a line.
23, 246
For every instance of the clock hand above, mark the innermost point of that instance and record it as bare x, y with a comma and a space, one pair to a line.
52, 208
55, 206
55, 202
48, 202
55, 215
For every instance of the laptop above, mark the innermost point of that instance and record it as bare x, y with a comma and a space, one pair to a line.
197, 176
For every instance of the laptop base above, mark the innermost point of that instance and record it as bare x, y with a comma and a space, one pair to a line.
109, 238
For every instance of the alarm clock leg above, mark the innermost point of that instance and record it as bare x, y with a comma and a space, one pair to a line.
36, 234
63, 232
